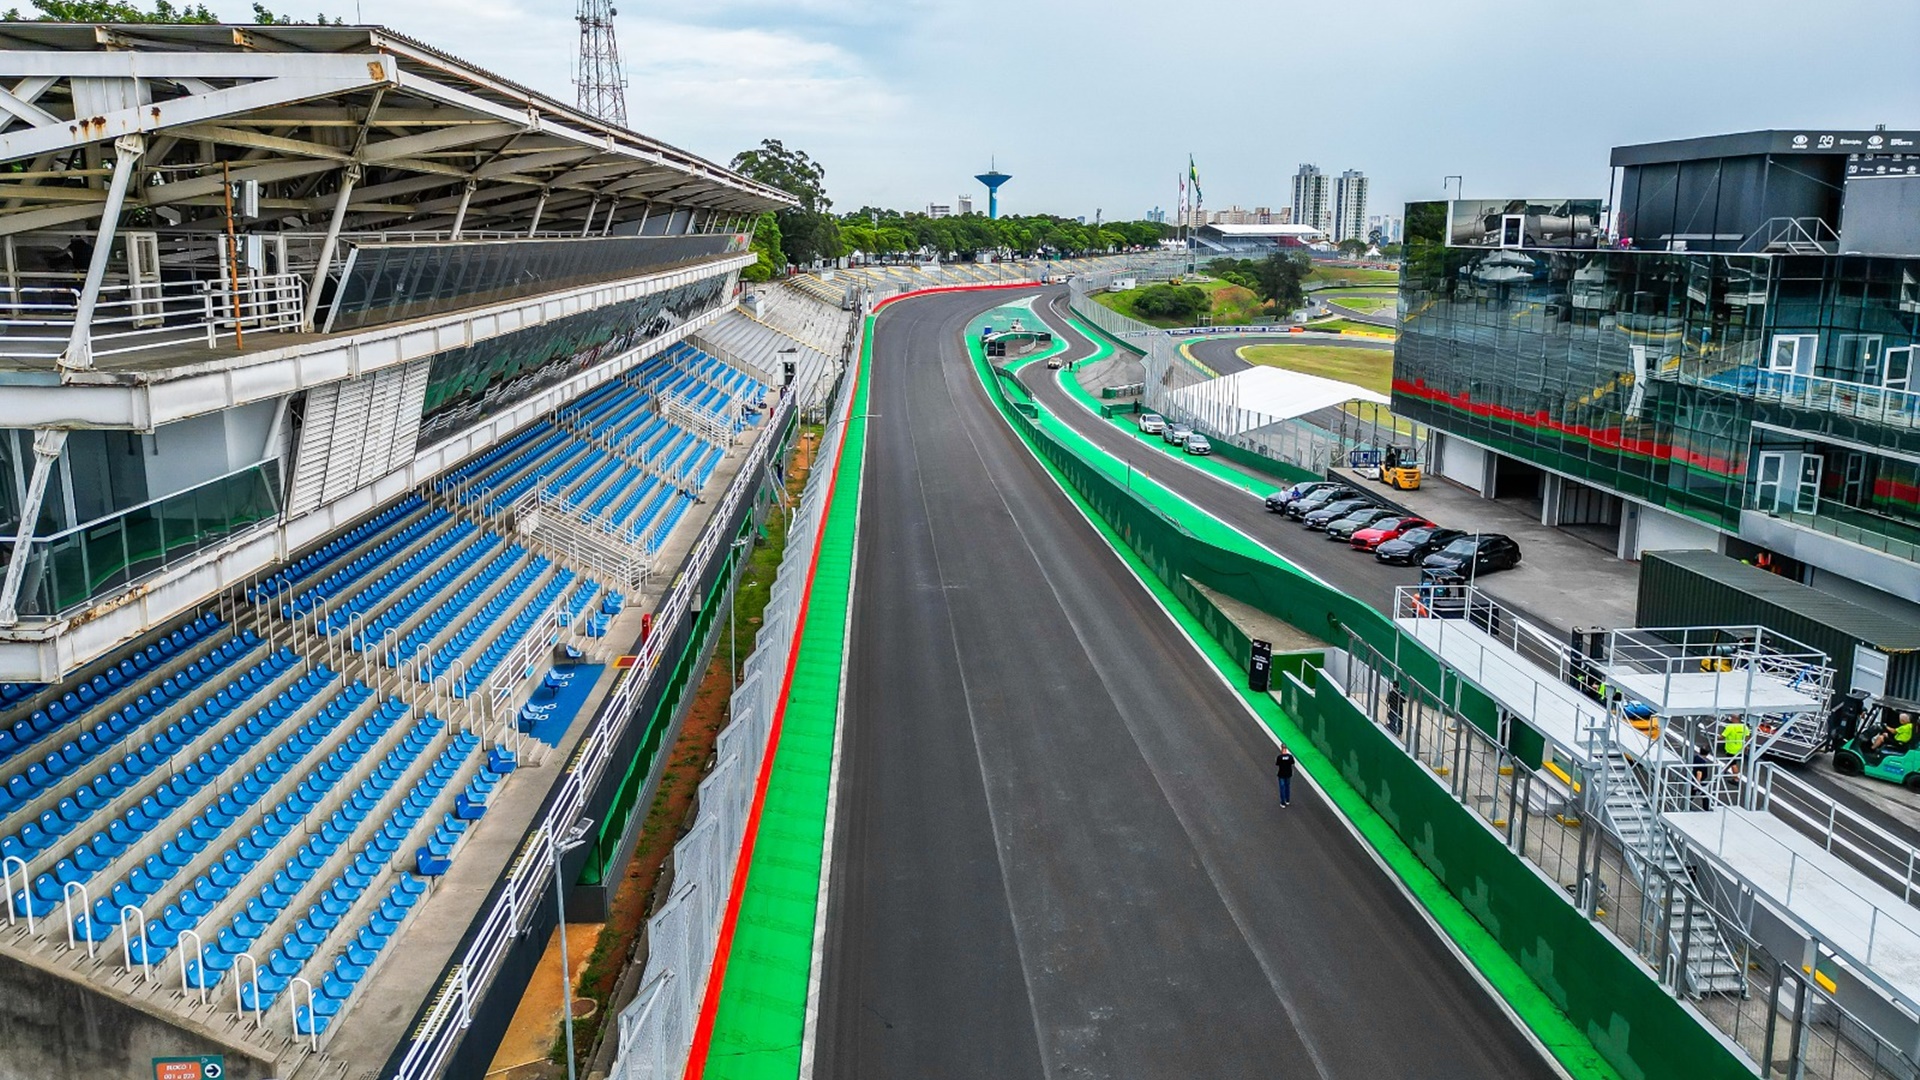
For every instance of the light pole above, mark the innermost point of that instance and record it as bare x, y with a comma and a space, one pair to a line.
733, 605
576, 836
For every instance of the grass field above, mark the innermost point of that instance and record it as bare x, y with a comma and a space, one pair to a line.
1370, 368
1351, 275
1232, 304
1371, 305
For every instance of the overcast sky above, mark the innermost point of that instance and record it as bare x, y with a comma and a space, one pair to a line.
1097, 103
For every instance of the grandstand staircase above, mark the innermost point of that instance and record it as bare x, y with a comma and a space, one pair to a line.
829, 350
1706, 964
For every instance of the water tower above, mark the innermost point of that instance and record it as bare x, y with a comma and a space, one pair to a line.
993, 178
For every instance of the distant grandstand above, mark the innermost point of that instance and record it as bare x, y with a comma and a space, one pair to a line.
361, 406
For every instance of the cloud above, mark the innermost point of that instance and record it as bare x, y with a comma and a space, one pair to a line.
700, 85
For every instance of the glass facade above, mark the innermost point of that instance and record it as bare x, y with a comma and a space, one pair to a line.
1667, 375
385, 283
68, 569
467, 382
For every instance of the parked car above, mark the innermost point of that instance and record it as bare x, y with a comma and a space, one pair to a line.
1176, 434
1386, 529
1152, 423
1332, 512
1277, 502
1197, 444
1411, 546
1482, 553
1344, 528
1306, 504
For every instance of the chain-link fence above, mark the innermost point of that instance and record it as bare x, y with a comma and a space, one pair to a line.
656, 1029
1690, 937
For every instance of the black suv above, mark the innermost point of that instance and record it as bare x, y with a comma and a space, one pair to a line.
1411, 546
1476, 554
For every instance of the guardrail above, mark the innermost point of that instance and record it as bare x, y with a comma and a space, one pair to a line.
532, 870
36, 323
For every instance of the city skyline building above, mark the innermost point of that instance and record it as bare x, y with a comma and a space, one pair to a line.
1312, 198
1350, 206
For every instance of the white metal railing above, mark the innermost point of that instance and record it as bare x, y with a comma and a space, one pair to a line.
1888, 860
37, 323
531, 872
1884, 405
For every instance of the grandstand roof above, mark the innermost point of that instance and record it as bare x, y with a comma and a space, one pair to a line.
286, 105
1299, 232
1260, 396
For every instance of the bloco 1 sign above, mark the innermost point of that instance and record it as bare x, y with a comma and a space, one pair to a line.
204, 1067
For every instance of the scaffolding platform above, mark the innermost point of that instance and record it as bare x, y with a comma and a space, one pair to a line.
1860, 921
1520, 667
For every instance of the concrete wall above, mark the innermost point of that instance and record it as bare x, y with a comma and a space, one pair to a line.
54, 1026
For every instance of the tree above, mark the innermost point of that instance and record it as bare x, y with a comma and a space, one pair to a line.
771, 261
1352, 246
792, 171
120, 11
1181, 302
1278, 277
808, 231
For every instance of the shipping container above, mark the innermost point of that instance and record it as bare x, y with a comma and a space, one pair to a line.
1703, 588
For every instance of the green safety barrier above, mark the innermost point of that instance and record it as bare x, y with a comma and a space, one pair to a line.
1604, 990
1639, 1028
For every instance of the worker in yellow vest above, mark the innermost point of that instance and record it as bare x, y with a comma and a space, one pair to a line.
1733, 736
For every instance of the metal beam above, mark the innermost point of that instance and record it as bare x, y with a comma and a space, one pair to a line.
325, 262
19, 103
79, 355
460, 216
47, 444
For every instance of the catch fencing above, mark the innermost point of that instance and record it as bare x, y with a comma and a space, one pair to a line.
1291, 447
656, 1029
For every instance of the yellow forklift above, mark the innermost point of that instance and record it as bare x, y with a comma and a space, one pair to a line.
1400, 468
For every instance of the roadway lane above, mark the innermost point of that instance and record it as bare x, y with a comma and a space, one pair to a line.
1058, 852
1222, 354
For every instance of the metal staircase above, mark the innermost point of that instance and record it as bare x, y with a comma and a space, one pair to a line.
1706, 964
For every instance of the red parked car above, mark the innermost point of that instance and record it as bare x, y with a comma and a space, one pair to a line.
1368, 539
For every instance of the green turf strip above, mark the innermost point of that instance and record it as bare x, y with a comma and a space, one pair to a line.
763, 1000
1565, 1041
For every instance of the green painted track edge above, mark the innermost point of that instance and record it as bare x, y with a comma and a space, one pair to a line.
1569, 1046
758, 1028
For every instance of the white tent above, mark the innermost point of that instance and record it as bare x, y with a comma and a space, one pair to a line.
1262, 396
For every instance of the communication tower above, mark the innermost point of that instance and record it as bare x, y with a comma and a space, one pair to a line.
601, 83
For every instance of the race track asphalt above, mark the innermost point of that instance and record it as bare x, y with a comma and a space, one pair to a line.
1058, 850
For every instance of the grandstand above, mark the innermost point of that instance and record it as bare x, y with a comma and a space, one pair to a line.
302, 521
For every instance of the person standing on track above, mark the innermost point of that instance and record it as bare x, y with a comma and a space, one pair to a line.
1284, 765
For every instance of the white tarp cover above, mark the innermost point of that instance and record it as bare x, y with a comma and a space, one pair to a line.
1262, 396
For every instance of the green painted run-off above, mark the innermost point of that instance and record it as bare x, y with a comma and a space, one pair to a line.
763, 1002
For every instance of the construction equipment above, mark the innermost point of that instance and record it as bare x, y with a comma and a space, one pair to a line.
1883, 746
1400, 468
